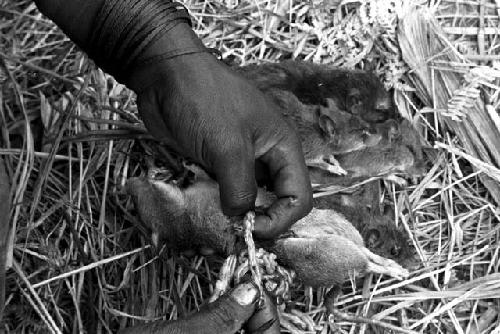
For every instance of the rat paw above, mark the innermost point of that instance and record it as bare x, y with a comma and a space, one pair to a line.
335, 167
327, 163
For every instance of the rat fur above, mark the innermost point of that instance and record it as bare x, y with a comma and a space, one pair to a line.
379, 232
358, 92
324, 241
338, 112
185, 219
368, 162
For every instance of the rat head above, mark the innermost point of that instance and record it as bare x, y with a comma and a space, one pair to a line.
384, 238
347, 134
376, 161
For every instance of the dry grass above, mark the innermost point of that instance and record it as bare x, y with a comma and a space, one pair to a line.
77, 263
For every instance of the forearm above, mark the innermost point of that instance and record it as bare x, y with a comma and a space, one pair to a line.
80, 20
74, 17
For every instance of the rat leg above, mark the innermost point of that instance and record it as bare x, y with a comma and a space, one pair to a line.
328, 163
381, 265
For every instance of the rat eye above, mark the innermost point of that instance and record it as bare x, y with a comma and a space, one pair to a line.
395, 250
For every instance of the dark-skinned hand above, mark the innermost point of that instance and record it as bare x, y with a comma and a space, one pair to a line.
224, 316
225, 123
213, 116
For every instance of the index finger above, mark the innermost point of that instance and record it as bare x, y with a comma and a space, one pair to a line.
285, 162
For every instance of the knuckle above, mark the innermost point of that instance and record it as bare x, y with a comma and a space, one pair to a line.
236, 202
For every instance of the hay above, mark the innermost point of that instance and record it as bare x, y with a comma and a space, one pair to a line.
449, 84
79, 265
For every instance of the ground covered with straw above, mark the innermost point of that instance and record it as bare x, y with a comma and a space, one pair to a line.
71, 137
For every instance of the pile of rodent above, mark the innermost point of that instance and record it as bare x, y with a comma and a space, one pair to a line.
350, 132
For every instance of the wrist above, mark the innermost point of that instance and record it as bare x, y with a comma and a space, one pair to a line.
131, 34
171, 54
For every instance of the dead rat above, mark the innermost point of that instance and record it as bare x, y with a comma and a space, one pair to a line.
325, 249
321, 136
380, 234
355, 91
370, 162
344, 131
192, 218
401, 132
184, 219
318, 101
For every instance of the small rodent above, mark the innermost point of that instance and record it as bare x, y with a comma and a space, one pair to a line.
400, 132
337, 112
343, 131
355, 91
380, 234
325, 249
185, 219
321, 136
329, 120
375, 161
369, 162
323, 241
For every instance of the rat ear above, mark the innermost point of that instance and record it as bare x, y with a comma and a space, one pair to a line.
327, 126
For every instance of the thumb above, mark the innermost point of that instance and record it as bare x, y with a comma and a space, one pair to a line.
225, 316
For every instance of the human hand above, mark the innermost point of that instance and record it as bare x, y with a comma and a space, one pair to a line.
212, 114
225, 316
225, 123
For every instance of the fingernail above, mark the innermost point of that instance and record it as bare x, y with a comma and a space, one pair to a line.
245, 294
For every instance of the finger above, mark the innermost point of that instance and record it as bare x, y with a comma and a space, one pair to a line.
227, 314
224, 316
286, 165
265, 320
235, 173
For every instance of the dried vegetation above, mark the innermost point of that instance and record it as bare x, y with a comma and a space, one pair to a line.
71, 137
